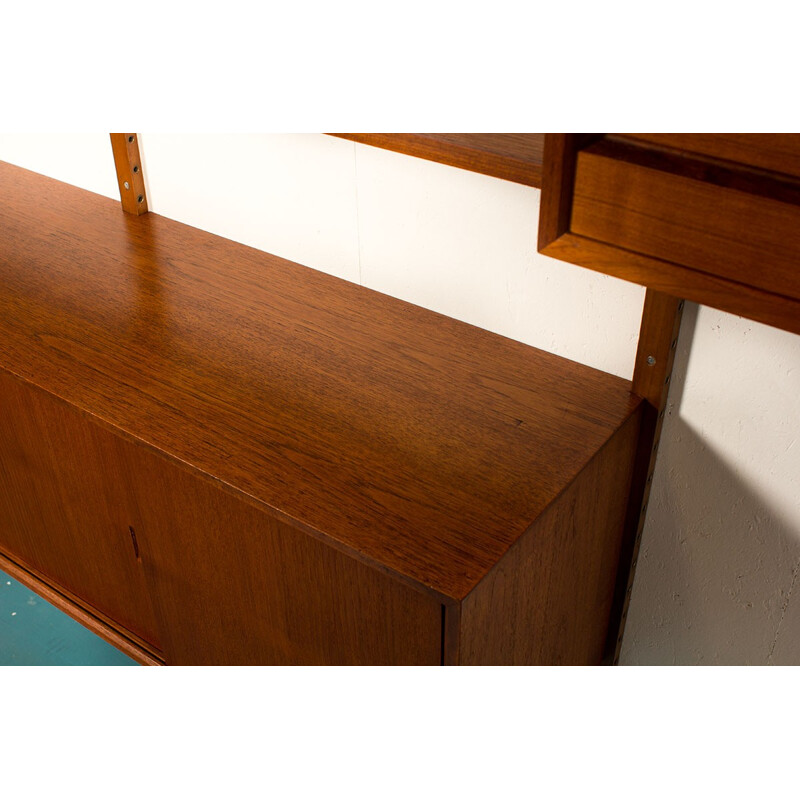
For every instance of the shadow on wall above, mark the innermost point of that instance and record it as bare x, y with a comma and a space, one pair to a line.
717, 572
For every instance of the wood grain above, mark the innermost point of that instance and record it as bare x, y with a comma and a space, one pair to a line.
558, 176
514, 157
232, 585
130, 176
655, 354
422, 446
62, 506
777, 152
553, 590
728, 233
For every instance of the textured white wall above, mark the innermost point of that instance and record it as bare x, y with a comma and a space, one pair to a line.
721, 550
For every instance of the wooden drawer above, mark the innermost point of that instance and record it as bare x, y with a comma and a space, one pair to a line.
714, 219
775, 152
671, 209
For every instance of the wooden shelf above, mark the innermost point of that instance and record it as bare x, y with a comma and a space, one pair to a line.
514, 157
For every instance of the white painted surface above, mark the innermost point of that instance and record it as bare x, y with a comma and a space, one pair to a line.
77, 158
716, 578
292, 195
721, 550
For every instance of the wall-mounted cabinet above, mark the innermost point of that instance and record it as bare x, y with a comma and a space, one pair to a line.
223, 457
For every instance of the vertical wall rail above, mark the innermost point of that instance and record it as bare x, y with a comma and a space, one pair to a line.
130, 176
658, 338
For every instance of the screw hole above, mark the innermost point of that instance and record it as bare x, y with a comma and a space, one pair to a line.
130, 139
135, 170
140, 198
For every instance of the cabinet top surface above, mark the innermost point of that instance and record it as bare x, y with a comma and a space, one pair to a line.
421, 444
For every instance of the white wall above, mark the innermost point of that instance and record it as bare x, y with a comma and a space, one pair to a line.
721, 550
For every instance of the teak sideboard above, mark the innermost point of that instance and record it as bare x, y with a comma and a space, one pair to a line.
210, 455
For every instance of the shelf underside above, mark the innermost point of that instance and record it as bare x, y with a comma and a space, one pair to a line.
418, 443
514, 157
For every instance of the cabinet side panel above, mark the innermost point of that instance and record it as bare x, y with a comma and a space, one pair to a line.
63, 505
548, 600
232, 585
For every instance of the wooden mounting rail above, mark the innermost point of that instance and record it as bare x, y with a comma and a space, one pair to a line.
655, 355
130, 177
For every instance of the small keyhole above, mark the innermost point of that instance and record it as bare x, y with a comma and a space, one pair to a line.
135, 543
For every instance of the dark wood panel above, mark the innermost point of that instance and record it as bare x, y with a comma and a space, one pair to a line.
232, 585
63, 508
514, 157
652, 378
419, 444
777, 152
725, 232
553, 590
678, 281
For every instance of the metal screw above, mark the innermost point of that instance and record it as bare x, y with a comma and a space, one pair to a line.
651, 361
126, 185
135, 170
140, 198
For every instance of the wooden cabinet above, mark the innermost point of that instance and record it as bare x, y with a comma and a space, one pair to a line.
63, 507
225, 458
234, 585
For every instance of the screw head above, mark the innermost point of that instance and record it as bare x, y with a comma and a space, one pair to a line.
126, 185
650, 361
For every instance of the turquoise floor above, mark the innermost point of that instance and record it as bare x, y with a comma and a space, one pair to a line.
35, 633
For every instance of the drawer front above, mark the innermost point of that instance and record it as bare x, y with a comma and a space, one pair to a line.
233, 585
776, 152
731, 231
64, 509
